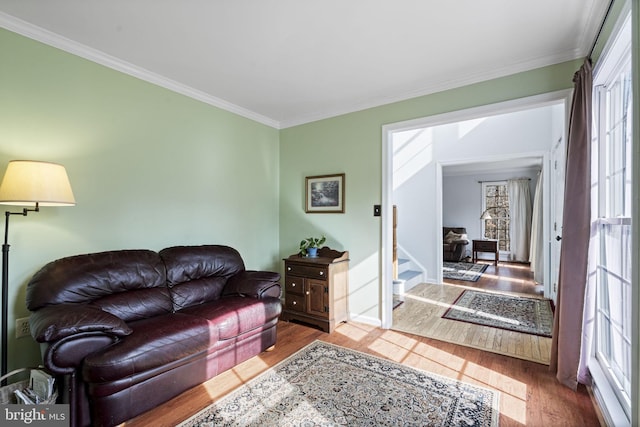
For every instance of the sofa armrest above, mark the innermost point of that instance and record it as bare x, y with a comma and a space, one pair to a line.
66, 355
55, 322
255, 284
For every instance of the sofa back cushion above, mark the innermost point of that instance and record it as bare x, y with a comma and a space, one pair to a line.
456, 230
130, 284
197, 274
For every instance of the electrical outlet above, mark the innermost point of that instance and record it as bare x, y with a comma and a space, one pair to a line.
22, 327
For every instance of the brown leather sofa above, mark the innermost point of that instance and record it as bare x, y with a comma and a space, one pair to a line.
128, 330
454, 243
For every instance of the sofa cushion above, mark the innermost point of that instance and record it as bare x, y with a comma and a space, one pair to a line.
451, 236
186, 263
158, 342
107, 280
136, 304
197, 291
233, 316
196, 274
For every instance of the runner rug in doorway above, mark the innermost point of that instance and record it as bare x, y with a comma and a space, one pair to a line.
326, 385
521, 314
463, 271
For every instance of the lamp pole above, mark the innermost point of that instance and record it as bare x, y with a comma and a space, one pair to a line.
5, 287
5, 296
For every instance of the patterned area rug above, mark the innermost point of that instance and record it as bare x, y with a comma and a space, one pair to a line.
327, 385
463, 271
528, 315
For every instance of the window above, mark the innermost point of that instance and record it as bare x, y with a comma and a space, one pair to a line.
611, 215
496, 202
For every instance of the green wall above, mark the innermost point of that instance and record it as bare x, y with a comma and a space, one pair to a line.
149, 168
352, 144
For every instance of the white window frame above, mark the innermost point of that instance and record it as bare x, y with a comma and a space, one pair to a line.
617, 407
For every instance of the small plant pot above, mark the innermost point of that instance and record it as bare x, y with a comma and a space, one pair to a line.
312, 252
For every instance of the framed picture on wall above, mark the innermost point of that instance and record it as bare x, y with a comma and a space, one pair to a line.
324, 194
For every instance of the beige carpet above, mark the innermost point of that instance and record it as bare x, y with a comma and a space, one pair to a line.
421, 315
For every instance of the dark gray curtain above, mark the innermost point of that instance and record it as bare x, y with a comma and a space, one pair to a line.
567, 328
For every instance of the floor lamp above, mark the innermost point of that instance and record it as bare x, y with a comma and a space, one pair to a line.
32, 184
484, 217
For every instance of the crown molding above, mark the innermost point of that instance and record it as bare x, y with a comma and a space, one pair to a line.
47, 37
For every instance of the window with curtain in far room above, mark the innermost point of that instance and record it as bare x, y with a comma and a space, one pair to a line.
495, 198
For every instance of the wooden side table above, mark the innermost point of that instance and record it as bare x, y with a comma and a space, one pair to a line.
485, 245
316, 289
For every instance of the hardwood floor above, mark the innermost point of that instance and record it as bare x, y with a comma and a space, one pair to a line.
424, 305
506, 277
422, 311
530, 395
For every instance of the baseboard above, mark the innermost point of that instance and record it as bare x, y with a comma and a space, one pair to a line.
368, 320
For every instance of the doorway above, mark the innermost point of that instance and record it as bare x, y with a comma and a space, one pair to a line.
417, 144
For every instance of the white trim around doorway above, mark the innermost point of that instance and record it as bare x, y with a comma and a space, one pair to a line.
387, 176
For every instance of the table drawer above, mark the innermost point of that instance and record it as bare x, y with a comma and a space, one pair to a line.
484, 245
293, 285
295, 302
309, 271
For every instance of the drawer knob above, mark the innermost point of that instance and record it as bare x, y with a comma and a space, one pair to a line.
293, 285
322, 273
307, 292
288, 268
294, 303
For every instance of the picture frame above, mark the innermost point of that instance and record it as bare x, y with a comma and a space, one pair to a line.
325, 193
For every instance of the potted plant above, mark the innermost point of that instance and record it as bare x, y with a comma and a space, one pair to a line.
309, 246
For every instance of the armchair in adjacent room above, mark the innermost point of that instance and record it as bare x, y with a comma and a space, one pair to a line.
454, 243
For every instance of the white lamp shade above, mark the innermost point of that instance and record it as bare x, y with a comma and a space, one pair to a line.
485, 215
27, 182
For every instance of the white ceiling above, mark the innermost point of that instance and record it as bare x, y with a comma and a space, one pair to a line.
287, 62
